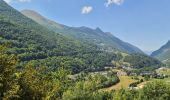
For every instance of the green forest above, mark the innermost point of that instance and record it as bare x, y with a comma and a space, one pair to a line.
37, 83
37, 63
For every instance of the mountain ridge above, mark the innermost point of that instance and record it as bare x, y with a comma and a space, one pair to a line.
34, 43
163, 53
86, 34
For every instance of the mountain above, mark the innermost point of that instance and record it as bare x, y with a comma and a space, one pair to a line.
41, 20
105, 40
163, 53
34, 43
41, 46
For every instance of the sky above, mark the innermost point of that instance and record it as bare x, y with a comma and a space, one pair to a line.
143, 23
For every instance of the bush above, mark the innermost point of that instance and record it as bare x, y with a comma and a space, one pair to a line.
157, 90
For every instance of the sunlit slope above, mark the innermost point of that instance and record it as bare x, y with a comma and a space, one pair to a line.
105, 40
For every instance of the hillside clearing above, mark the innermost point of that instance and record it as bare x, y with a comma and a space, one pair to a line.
125, 81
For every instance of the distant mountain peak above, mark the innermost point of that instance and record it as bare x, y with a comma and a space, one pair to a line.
84, 27
98, 30
167, 45
41, 19
109, 33
86, 34
36, 16
28, 10
163, 53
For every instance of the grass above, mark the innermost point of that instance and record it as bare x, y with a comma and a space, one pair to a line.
165, 80
125, 81
164, 71
141, 85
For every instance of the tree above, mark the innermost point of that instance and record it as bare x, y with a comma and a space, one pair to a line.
40, 84
157, 90
9, 87
83, 90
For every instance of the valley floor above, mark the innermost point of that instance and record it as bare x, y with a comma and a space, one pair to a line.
125, 81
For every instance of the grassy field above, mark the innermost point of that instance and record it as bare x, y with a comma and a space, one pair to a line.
141, 85
125, 81
165, 79
164, 71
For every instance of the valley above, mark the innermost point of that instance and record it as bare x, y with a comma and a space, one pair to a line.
41, 59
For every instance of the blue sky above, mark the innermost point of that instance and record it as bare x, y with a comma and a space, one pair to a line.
143, 23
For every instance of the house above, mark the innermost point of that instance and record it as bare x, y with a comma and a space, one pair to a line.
121, 73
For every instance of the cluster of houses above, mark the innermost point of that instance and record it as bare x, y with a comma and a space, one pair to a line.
151, 74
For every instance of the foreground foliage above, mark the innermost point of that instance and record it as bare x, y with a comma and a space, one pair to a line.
38, 83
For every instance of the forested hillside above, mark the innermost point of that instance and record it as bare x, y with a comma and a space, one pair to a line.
105, 40
39, 63
33, 42
163, 54
32, 83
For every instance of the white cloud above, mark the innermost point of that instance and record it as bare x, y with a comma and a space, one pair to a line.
9, 1
116, 2
86, 9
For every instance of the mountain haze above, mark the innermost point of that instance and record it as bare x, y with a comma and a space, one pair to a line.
105, 40
163, 53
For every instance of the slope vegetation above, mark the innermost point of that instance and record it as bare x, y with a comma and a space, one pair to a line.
33, 42
163, 53
105, 40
